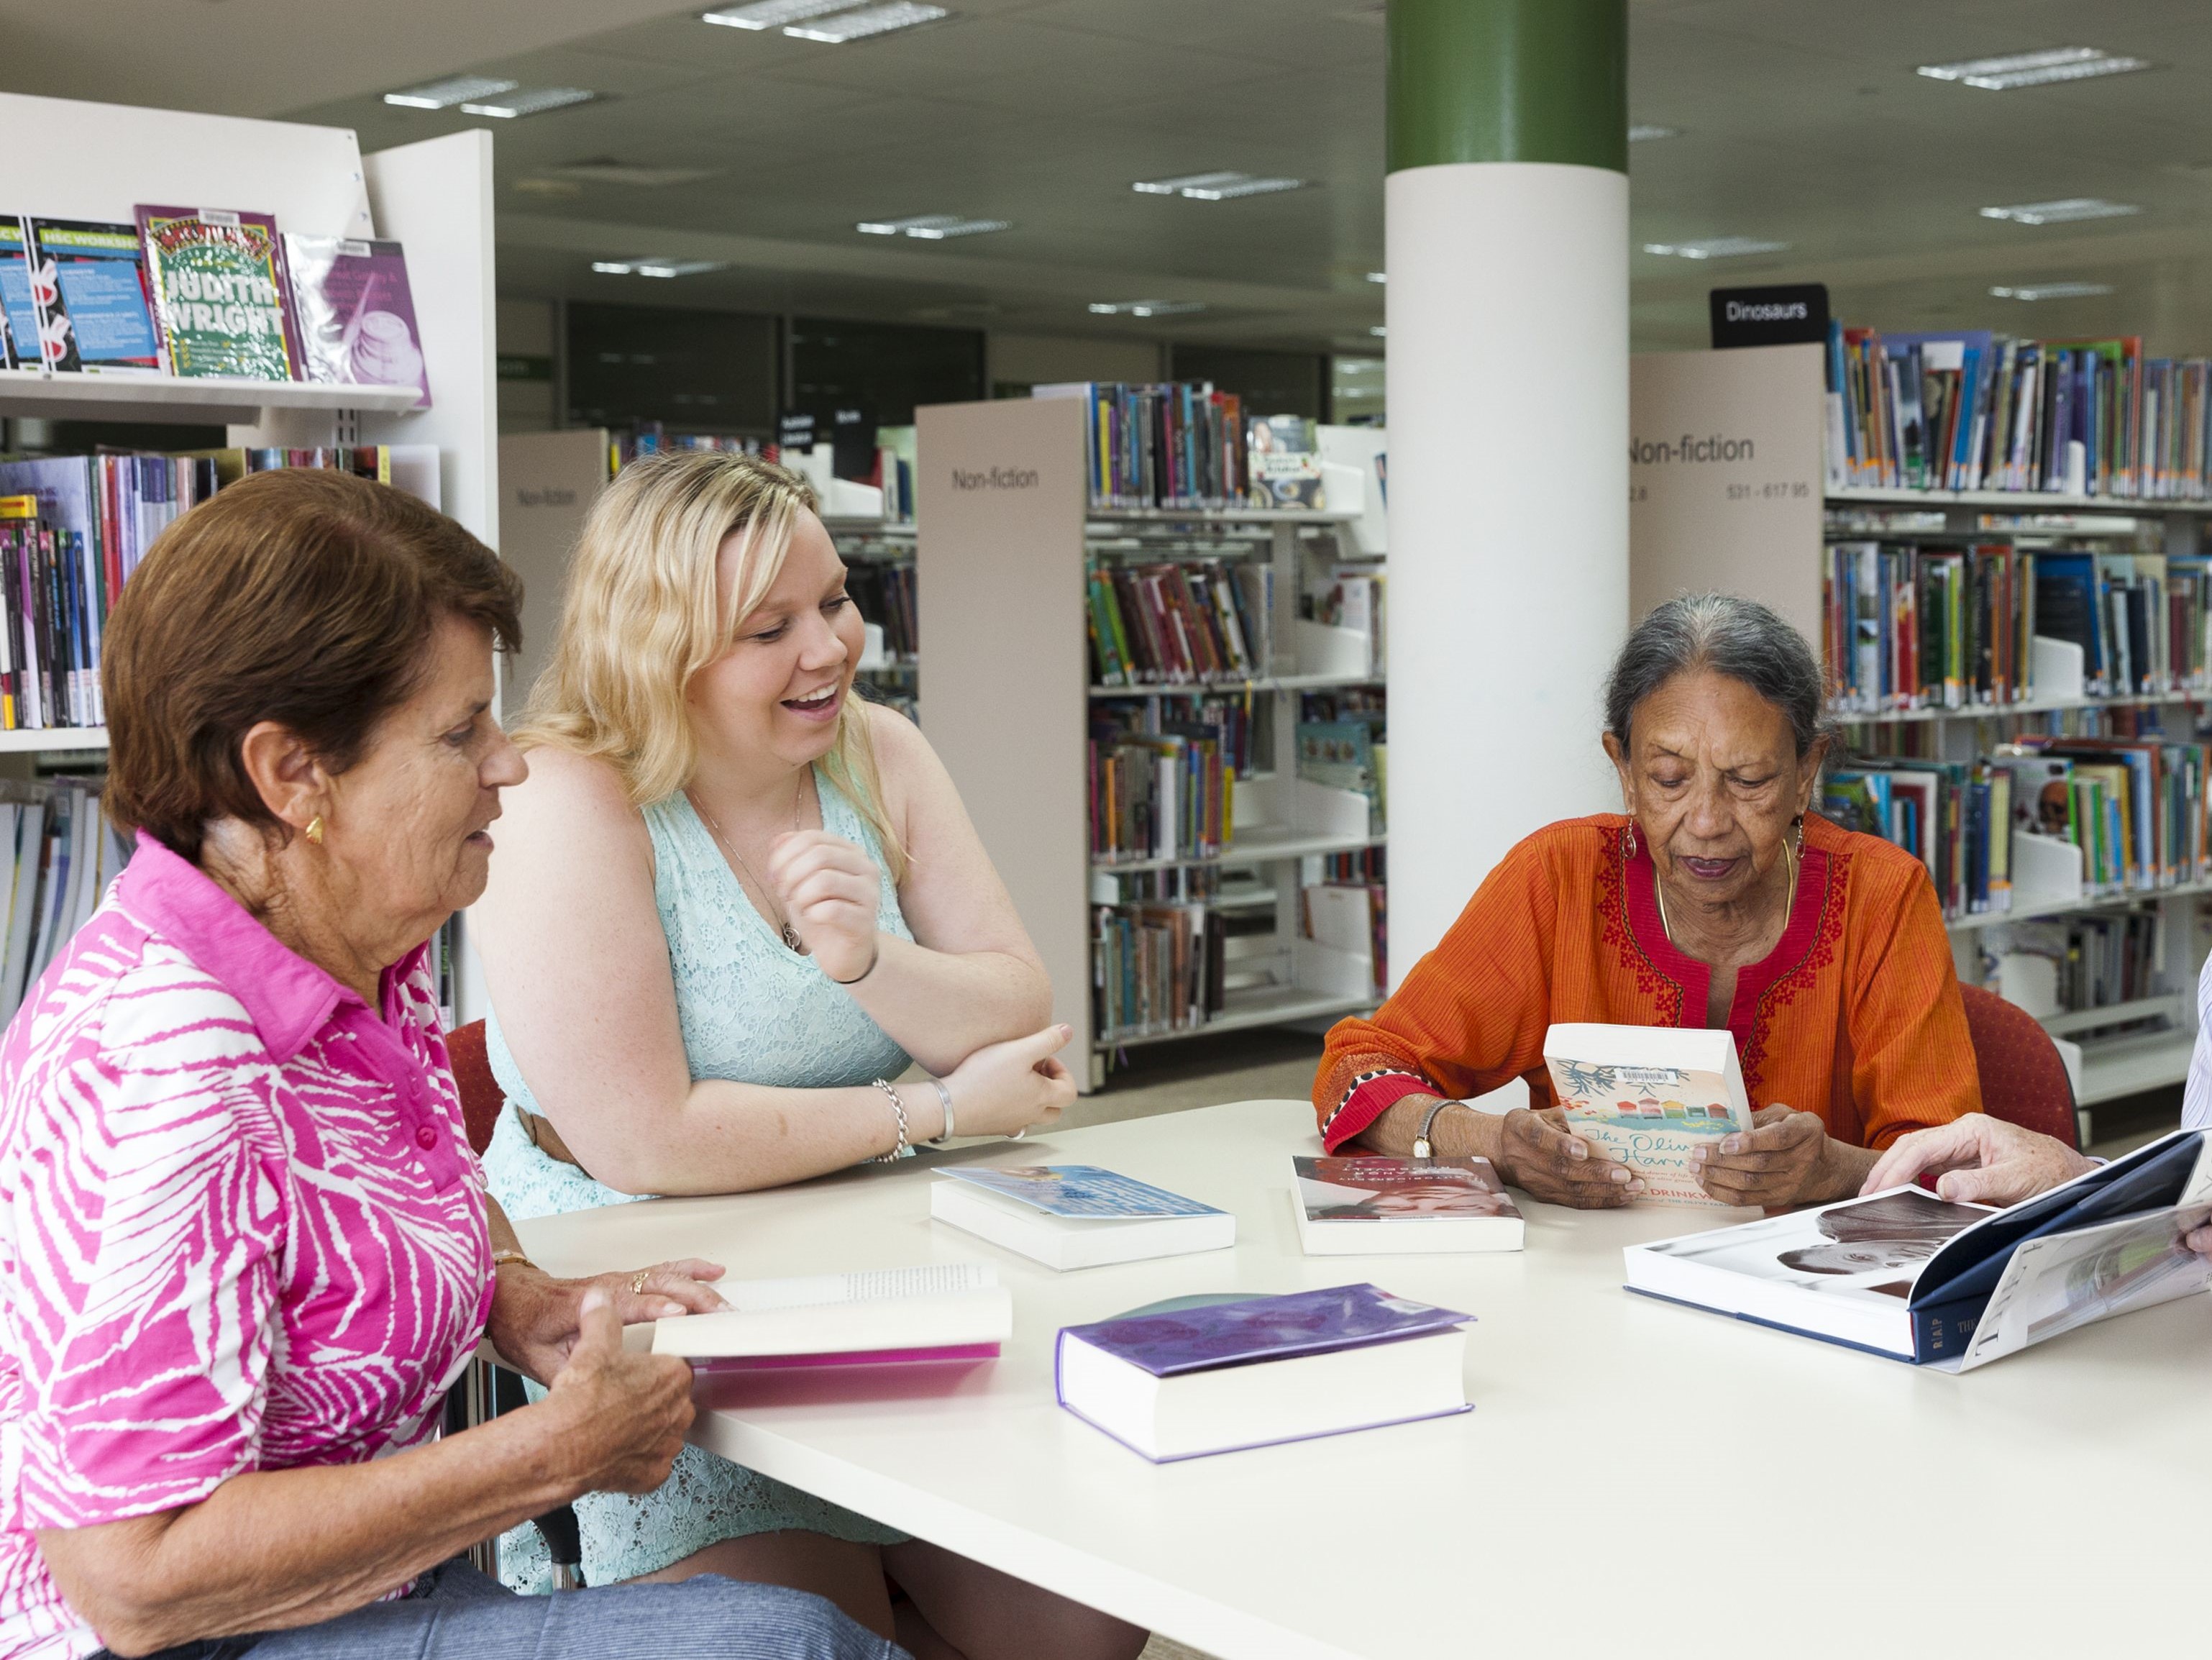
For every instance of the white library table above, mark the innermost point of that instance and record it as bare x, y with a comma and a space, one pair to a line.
1636, 1478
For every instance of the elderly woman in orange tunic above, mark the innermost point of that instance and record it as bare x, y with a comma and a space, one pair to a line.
1718, 899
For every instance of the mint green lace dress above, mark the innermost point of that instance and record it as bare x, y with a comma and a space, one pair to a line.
753, 1011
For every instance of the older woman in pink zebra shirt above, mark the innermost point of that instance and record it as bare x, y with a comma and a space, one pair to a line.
245, 1248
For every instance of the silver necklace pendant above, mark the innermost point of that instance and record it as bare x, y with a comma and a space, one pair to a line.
791, 938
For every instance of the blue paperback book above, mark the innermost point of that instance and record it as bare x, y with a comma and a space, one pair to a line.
1183, 1382
1082, 1190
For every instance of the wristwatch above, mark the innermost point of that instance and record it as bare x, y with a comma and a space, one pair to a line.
1423, 1149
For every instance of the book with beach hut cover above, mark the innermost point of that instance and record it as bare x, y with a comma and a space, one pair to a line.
353, 313
1647, 1096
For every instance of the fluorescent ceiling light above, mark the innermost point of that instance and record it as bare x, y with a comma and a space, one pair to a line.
1215, 187
870, 20
453, 89
651, 266
772, 14
605, 170
931, 227
1714, 248
531, 101
1144, 307
1379, 331
1378, 276
1645, 135
2051, 291
2063, 212
2035, 69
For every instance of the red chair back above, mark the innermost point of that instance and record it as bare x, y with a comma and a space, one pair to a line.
2023, 1078
481, 1098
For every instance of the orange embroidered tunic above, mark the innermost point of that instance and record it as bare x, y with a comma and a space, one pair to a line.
1854, 1015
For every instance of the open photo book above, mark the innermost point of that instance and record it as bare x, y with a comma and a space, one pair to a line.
1954, 1286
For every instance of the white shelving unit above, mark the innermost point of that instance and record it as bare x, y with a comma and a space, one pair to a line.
1757, 525
1007, 535
96, 161
868, 541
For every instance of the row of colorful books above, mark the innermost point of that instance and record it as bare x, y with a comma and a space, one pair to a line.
2098, 962
1191, 624
1174, 445
1912, 627
1163, 795
2135, 808
194, 292
62, 854
1156, 968
73, 529
886, 595
1976, 411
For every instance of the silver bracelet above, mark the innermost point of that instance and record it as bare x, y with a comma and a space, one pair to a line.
903, 1150
944, 1100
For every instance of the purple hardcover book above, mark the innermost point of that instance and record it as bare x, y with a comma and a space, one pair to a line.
1258, 1372
353, 313
1264, 1329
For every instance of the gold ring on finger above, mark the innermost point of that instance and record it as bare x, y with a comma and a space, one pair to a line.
637, 1281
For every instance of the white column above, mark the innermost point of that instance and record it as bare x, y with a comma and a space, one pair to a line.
1508, 348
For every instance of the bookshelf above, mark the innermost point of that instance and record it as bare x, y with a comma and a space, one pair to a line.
96, 161
878, 550
1759, 523
1008, 537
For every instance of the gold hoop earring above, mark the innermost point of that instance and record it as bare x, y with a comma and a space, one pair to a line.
1631, 838
314, 830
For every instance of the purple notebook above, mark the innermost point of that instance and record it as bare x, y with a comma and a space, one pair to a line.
1265, 1329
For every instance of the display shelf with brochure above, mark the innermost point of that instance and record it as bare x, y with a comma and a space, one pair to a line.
1076, 1216
1162, 759
2069, 610
1906, 1274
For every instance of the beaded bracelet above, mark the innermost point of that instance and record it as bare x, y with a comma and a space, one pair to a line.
903, 1150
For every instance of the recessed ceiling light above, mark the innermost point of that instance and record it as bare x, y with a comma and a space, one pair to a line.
772, 14
453, 89
1643, 135
605, 170
2062, 212
931, 227
870, 20
1378, 276
530, 101
1381, 331
1215, 187
1715, 247
2051, 291
1144, 307
651, 266
2035, 69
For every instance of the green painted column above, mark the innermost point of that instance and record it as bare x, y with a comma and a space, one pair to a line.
1507, 258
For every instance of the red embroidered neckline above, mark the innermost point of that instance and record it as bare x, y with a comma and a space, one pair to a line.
1754, 980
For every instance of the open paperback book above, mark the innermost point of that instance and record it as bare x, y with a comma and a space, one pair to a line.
944, 1312
1906, 1274
1648, 1094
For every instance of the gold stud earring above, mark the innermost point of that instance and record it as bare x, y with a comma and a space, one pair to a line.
315, 831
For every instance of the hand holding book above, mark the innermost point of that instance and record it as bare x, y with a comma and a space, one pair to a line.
1786, 1158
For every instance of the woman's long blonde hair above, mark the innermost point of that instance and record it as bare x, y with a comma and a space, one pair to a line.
639, 617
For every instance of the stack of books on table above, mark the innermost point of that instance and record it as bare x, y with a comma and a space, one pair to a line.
888, 1316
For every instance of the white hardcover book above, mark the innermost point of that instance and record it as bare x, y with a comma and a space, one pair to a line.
1076, 1216
954, 1311
1378, 1206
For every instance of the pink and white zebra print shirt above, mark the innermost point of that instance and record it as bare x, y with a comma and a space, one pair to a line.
240, 1226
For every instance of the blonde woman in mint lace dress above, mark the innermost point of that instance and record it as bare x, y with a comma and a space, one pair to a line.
729, 899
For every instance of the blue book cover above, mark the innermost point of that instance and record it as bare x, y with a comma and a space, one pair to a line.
1264, 1329
88, 283
1082, 1190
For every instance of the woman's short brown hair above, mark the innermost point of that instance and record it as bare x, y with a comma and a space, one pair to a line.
306, 597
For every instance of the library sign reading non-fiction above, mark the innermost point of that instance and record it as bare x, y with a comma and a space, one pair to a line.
1724, 476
